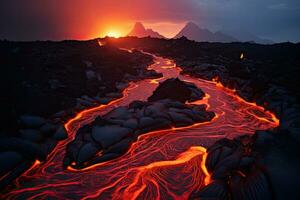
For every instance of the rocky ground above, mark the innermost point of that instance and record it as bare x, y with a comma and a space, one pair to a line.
111, 135
262, 166
45, 83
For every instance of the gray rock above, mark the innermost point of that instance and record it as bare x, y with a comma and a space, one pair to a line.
86, 152
30, 121
213, 159
48, 128
55, 84
187, 112
295, 133
121, 86
160, 123
180, 119
99, 77
145, 122
155, 109
254, 186
263, 137
226, 165
122, 146
85, 102
9, 160
176, 104
119, 113
60, 114
108, 135
90, 74
27, 148
32, 135
216, 190
88, 64
246, 161
105, 100
137, 104
114, 95
87, 98
119, 122
131, 123
60, 133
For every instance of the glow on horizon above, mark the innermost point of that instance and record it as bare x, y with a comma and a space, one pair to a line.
113, 33
167, 29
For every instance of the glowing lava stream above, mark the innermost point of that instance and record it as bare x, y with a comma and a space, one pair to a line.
166, 164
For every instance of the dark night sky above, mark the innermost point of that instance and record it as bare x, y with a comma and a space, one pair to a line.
81, 19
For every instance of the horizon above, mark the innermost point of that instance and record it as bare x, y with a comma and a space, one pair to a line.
114, 33
55, 20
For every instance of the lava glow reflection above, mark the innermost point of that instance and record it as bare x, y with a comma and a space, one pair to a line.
165, 164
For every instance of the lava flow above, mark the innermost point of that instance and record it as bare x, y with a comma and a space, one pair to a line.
166, 164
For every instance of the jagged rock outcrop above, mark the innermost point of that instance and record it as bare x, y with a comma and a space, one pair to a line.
177, 90
262, 166
111, 135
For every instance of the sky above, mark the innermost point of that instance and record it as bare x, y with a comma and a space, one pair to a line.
277, 20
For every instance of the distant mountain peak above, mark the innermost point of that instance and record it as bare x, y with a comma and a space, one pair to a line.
139, 30
193, 32
191, 24
139, 26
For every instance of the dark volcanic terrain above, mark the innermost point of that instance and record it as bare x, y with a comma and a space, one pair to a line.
262, 166
113, 133
45, 83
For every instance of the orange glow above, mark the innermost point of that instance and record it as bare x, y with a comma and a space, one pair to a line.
242, 56
163, 164
101, 43
131, 192
113, 33
114, 28
118, 29
273, 117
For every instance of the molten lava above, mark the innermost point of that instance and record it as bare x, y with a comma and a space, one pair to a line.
242, 56
165, 164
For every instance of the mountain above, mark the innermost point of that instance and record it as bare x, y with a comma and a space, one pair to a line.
194, 32
246, 36
140, 31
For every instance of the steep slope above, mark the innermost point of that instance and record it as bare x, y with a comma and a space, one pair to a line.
194, 32
140, 31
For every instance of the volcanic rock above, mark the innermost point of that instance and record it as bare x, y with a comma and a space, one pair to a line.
117, 130
9, 160
86, 152
131, 123
108, 135
27, 148
65, 76
255, 167
31, 121
61, 133
31, 135
215, 190
48, 128
177, 90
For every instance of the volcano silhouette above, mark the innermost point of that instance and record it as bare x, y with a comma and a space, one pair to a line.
193, 32
140, 31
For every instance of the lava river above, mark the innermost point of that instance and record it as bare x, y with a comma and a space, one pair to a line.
166, 164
